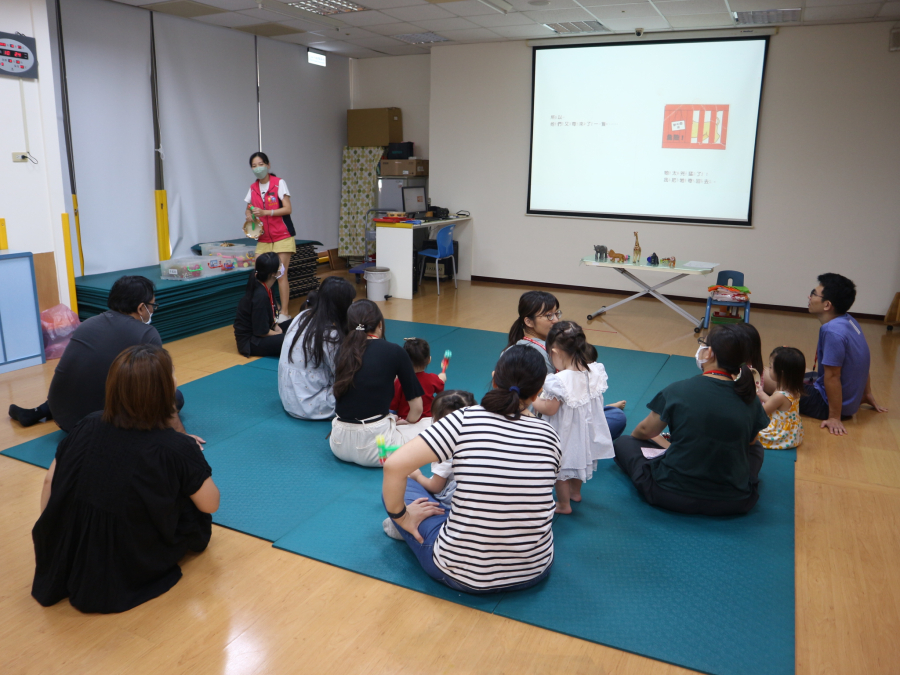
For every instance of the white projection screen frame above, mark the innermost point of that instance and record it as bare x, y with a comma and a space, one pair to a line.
661, 131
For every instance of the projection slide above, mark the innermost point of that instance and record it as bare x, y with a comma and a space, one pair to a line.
646, 131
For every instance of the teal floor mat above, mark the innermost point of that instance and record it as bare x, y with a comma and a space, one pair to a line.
715, 595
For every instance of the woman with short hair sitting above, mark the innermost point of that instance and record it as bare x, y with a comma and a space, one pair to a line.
126, 496
498, 535
712, 465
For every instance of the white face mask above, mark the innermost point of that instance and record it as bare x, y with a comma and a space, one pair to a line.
149, 317
697, 357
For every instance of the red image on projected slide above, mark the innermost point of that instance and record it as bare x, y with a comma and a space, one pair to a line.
695, 127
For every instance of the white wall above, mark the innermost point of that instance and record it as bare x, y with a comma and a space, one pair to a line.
826, 180
397, 82
31, 195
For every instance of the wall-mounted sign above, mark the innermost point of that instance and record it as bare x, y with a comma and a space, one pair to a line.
18, 56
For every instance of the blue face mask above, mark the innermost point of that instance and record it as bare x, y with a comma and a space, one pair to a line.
261, 171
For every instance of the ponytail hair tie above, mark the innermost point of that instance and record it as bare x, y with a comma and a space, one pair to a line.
360, 327
516, 389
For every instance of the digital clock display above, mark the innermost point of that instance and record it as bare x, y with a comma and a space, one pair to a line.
12, 53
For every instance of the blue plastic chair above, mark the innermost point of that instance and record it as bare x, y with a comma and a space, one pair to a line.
726, 278
443, 251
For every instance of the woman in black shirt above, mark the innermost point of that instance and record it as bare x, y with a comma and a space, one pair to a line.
126, 496
364, 387
255, 329
712, 464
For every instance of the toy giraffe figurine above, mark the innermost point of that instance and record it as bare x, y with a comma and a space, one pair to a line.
636, 260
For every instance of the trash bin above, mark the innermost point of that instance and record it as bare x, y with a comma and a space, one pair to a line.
378, 283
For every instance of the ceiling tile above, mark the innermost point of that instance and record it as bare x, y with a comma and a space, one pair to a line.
404, 50
231, 5
468, 8
303, 24
396, 29
835, 3
228, 19
354, 52
534, 30
367, 18
635, 10
701, 20
523, 5
344, 33
512, 19
590, 4
453, 23
558, 15
685, 7
188, 9
645, 22
301, 38
469, 34
390, 4
270, 29
419, 13
264, 15
890, 9
866, 11
375, 42
762, 5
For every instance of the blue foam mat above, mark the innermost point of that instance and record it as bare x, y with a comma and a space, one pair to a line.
710, 594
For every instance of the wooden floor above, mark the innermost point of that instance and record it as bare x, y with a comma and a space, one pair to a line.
244, 607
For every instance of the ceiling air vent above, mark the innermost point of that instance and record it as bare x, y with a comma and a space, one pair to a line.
420, 38
766, 16
327, 7
575, 27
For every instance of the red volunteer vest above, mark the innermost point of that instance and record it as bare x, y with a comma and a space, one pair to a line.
274, 228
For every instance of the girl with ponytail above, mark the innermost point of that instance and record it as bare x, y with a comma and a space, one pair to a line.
572, 402
364, 387
712, 464
538, 311
256, 329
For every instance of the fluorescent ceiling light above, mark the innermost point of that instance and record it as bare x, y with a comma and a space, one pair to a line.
327, 7
294, 13
420, 38
574, 27
500, 5
766, 16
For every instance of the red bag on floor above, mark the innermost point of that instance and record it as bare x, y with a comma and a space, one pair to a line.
57, 324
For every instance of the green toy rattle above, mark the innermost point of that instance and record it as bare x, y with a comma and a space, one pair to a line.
384, 450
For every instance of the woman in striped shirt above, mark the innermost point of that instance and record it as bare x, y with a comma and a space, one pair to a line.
497, 536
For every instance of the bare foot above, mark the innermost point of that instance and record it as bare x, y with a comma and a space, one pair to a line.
575, 498
618, 404
563, 510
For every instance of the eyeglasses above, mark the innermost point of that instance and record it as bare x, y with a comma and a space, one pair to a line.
813, 294
153, 306
702, 342
551, 315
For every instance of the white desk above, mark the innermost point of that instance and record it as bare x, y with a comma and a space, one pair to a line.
394, 250
626, 269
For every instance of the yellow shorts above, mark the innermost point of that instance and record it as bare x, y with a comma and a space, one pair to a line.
282, 246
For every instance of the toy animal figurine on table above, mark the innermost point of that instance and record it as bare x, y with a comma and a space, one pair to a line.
384, 450
637, 251
669, 261
600, 252
653, 259
616, 257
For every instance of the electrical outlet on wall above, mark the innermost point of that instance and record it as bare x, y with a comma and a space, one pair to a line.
20, 156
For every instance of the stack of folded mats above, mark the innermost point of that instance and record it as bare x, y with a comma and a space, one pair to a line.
302, 269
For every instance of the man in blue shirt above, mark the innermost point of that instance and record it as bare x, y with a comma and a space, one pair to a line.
841, 383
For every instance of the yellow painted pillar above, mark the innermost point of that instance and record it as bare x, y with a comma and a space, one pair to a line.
70, 265
4, 242
78, 234
162, 226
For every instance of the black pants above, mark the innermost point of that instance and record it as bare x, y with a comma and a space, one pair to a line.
271, 344
637, 467
44, 408
812, 403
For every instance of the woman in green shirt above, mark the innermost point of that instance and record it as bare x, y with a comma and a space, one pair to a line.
712, 464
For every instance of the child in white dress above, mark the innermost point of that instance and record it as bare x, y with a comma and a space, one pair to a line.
572, 402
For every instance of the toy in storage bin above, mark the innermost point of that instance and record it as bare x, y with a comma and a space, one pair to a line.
181, 269
206, 249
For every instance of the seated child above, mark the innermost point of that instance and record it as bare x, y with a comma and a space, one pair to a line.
787, 366
420, 354
441, 483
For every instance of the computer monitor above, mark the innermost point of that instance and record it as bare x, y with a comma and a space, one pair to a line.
414, 200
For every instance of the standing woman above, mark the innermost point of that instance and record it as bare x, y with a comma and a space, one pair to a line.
270, 195
538, 312
255, 329
364, 387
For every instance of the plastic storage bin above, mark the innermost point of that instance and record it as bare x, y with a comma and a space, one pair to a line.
181, 269
206, 249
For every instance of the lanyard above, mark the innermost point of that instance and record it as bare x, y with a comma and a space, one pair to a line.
271, 300
534, 342
718, 372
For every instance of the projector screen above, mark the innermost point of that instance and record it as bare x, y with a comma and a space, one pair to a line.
659, 131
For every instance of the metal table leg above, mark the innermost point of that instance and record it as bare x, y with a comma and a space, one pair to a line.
651, 290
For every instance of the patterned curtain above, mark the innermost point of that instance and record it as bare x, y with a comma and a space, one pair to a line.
358, 195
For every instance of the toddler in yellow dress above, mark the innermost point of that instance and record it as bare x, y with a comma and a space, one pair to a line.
787, 365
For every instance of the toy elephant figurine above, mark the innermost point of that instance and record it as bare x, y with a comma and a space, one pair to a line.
600, 253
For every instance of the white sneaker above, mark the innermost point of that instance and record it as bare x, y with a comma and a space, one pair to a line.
284, 317
390, 529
